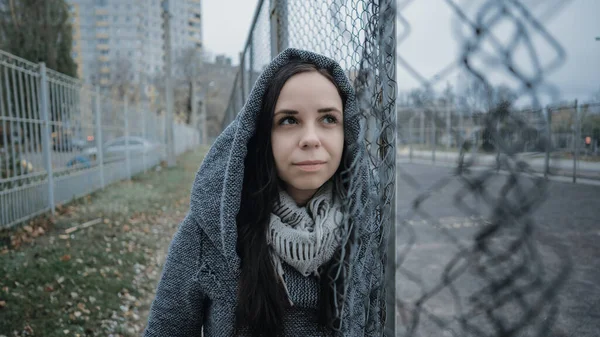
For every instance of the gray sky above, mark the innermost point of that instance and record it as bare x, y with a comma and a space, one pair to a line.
433, 42
226, 25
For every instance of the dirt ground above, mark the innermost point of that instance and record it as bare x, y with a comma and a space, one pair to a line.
92, 269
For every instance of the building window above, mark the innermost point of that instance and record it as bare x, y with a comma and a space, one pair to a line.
101, 2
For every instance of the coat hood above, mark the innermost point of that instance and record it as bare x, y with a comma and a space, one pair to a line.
216, 192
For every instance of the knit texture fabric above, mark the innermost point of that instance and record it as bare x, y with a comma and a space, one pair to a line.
305, 237
197, 291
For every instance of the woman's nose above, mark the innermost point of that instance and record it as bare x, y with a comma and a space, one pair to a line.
310, 138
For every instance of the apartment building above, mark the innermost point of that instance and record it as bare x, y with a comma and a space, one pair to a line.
122, 41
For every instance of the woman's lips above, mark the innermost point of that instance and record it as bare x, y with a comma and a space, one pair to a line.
310, 166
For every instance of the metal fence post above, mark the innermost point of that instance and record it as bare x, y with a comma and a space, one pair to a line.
274, 18
387, 149
251, 66
576, 137
448, 125
171, 160
433, 139
99, 154
422, 128
242, 78
548, 141
144, 111
204, 119
410, 137
127, 152
278, 20
46, 142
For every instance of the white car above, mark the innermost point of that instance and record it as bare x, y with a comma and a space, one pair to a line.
117, 148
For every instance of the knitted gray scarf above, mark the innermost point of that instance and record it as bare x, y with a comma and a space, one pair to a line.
305, 237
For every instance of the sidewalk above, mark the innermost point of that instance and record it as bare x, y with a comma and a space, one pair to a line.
558, 167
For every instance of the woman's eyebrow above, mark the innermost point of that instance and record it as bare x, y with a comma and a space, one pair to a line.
323, 110
295, 112
286, 112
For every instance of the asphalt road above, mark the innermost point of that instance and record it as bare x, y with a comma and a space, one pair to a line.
449, 284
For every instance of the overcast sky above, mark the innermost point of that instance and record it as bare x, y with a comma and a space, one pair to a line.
433, 41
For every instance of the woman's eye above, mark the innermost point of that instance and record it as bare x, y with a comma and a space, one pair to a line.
329, 119
287, 120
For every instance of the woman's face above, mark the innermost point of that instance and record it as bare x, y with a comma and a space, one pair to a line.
307, 134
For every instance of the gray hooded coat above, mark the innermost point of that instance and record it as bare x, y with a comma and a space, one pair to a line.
198, 286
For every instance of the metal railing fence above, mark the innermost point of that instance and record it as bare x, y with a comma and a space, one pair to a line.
61, 139
435, 134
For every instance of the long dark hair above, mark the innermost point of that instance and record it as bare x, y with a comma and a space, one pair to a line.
261, 297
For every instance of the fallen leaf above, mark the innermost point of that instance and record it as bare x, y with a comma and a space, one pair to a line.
28, 229
28, 329
126, 228
64, 237
48, 289
2, 304
65, 258
60, 279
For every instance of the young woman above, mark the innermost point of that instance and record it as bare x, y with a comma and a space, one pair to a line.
278, 240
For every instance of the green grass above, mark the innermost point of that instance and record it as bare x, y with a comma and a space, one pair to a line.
99, 280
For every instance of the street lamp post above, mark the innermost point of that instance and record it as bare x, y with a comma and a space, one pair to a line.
171, 161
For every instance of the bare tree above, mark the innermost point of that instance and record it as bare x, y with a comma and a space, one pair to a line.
187, 70
123, 82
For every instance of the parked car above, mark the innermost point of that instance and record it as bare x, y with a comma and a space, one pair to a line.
116, 149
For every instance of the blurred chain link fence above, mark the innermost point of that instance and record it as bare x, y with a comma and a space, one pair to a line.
61, 139
468, 262
491, 281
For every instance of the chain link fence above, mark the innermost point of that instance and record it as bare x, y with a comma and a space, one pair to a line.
359, 35
469, 262
462, 242
61, 139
